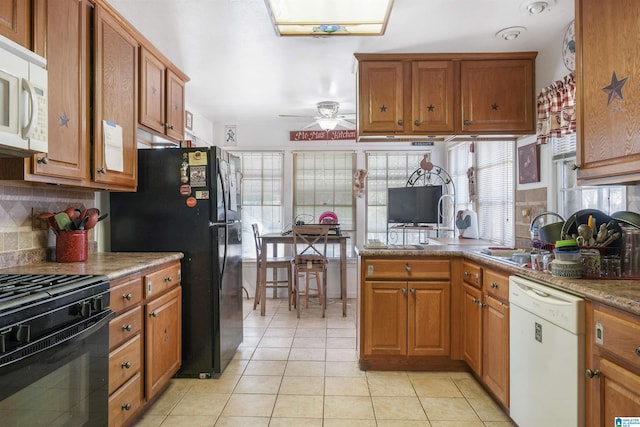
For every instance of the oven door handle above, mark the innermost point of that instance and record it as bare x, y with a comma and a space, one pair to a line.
38, 346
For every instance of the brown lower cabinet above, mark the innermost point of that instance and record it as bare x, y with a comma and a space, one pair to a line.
405, 311
144, 339
612, 365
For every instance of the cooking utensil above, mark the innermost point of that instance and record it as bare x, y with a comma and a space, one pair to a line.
551, 232
570, 228
627, 218
91, 221
62, 220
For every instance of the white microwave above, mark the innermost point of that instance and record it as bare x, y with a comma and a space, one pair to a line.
23, 101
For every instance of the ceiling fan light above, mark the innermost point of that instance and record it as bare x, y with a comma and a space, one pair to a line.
328, 124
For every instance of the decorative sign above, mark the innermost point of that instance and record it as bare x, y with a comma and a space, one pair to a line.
322, 135
528, 164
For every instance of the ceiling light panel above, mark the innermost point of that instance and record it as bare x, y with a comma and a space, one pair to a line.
329, 17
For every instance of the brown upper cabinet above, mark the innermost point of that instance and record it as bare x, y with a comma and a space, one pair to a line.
15, 21
93, 71
446, 94
608, 100
161, 97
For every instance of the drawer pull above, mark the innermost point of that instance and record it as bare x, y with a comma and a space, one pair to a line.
413, 291
153, 314
408, 268
168, 279
467, 273
493, 285
126, 365
638, 351
127, 297
127, 328
126, 406
592, 374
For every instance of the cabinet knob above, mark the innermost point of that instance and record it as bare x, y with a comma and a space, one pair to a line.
101, 170
126, 365
168, 279
416, 122
466, 122
474, 300
592, 374
467, 273
574, 166
127, 297
153, 314
413, 291
400, 122
170, 127
126, 406
408, 268
638, 351
477, 277
404, 291
493, 285
127, 328
43, 160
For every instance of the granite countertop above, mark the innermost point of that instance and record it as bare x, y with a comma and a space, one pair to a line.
114, 265
621, 294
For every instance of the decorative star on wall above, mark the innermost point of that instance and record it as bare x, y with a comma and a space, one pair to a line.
430, 108
614, 90
63, 120
383, 109
494, 106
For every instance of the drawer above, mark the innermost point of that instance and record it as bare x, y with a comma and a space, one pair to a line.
125, 327
124, 403
472, 274
429, 269
124, 362
126, 294
620, 334
159, 281
496, 284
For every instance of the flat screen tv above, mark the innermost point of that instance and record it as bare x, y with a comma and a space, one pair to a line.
416, 205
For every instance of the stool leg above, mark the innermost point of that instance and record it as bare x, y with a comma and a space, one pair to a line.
256, 297
289, 289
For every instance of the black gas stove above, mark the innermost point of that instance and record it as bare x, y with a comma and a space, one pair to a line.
33, 306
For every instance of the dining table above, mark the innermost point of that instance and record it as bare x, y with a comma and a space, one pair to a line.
274, 239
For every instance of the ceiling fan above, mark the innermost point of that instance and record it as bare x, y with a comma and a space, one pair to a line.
328, 117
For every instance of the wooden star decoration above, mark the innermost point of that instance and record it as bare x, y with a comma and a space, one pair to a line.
383, 109
63, 120
430, 108
154, 90
614, 90
494, 106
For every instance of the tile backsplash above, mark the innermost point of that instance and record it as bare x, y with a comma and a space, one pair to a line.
24, 237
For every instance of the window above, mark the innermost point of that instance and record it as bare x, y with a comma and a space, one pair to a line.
572, 198
387, 170
261, 193
495, 190
323, 181
459, 162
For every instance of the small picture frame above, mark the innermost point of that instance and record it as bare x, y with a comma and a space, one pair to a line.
188, 120
528, 164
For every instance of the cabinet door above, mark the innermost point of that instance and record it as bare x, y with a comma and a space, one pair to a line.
497, 96
495, 361
163, 340
67, 53
432, 92
428, 318
15, 21
608, 101
175, 106
116, 103
472, 327
381, 99
618, 393
152, 92
385, 318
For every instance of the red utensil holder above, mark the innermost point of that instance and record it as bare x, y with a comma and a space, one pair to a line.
72, 246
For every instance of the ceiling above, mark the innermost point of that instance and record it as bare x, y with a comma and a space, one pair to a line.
240, 70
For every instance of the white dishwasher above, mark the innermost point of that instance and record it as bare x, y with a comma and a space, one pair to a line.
546, 350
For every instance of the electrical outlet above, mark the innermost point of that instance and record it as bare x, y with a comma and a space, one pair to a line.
38, 223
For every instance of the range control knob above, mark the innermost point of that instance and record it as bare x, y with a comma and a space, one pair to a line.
23, 333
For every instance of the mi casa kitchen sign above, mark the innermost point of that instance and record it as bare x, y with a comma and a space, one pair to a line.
322, 135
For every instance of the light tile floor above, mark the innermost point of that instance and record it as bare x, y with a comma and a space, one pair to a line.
304, 372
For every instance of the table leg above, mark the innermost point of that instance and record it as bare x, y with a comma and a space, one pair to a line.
263, 276
343, 275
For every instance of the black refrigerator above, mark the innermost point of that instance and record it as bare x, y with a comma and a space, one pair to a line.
188, 200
